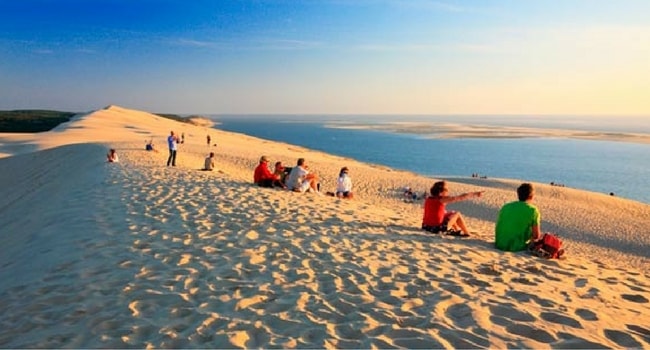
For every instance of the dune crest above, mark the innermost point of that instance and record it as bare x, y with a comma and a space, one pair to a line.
137, 254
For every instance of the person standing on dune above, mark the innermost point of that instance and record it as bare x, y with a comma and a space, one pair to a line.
172, 141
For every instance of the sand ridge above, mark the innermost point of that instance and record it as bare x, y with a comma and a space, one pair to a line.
136, 254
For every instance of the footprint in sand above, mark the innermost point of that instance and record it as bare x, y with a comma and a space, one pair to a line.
635, 298
622, 339
560, 319
587, 315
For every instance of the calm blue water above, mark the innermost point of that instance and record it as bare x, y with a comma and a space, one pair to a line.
599, 166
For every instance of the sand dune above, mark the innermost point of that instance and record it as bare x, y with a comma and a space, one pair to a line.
136, 254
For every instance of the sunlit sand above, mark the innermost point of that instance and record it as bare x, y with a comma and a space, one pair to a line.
137, 254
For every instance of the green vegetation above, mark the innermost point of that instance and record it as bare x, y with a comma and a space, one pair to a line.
32, 120
175, 117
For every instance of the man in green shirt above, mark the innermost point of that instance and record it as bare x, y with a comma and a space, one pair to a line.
518, 222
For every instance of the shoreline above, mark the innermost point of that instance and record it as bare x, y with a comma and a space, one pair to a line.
137, 254
444, 130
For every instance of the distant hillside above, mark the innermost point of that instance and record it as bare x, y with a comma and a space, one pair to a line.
32, 120
36, 120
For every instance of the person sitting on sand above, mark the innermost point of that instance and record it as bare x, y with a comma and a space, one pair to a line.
112, 156
209, 162
301, 180
280, 173
263, 176
437, 219
410, 195
344, 184
150, 147
518, 222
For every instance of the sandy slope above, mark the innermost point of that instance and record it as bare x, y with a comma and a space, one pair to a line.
136, 254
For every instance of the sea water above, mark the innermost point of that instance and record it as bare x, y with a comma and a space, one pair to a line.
600, 166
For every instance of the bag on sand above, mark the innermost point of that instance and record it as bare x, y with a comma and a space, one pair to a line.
549, 247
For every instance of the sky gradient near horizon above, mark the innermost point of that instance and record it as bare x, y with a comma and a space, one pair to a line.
568, 57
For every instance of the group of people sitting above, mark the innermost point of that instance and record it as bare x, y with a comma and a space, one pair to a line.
298, 178
517, 226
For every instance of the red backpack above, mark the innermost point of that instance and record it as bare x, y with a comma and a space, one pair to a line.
549, 247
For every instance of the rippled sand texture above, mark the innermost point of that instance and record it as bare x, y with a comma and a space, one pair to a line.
136, 254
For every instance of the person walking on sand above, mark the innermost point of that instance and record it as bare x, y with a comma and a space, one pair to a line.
518, 222
301, 180
172, 142
344, 184
208, 138
436, 217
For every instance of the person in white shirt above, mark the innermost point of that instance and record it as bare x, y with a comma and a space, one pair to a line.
112, 156
172, 142
301, 180
344, 184
209, 162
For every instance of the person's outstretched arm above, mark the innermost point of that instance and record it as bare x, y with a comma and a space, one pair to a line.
462, 197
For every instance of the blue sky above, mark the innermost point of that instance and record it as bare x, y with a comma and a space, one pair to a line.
342, 57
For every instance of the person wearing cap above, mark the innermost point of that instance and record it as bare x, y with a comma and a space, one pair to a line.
263, 176
344, 184
209, 162
301, 180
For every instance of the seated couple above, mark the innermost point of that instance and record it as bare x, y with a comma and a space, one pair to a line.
263, 176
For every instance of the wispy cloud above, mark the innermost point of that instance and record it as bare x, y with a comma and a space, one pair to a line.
193, 43
458, 47
430, 5
249, 44
288, 44
43, 51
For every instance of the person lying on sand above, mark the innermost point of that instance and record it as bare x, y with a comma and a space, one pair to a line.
437, 219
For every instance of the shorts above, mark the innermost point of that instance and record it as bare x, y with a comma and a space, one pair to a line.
442, 227
303, 187
435, 229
